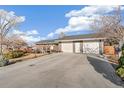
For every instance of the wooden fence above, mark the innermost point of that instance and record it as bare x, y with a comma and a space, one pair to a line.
109, 50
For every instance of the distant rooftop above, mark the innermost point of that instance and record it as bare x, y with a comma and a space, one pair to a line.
46, 42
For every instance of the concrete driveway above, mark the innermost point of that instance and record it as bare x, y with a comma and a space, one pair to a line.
61, 70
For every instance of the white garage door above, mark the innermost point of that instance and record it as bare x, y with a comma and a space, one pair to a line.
77, 47
67, 47
91, 47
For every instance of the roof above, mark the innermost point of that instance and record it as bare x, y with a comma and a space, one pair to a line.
94, 36
83, 37
46, 42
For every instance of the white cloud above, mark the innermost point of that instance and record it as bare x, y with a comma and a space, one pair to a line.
91, 10
80, 20
28, 36
79, 23
50, 35
21, 19
59, 30
17, 32
32, 32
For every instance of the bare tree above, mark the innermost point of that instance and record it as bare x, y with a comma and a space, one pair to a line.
8, 21
61, 35
15, 42
111, 26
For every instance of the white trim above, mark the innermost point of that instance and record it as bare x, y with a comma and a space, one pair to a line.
81, 39
77, 47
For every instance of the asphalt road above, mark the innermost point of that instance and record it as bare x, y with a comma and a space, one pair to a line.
62, 70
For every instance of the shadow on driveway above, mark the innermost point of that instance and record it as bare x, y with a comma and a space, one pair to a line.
105, 68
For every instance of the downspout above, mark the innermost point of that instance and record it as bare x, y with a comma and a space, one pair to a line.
101, 44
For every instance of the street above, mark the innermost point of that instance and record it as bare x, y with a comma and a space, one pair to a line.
60, 70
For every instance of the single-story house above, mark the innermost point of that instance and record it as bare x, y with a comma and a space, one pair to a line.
86, 43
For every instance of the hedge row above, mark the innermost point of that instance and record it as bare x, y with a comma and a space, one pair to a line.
14, 54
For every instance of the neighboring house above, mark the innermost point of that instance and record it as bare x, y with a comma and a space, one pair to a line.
87, 43
48, 46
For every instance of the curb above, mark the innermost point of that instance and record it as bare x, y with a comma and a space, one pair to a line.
12, 61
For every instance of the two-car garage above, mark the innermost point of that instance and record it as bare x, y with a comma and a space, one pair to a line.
82, 47
86, 43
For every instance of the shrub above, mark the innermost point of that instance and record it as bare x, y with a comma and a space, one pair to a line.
121, 61
122, 48
14, 54
120, 68
120, 72
4, 62
8, 55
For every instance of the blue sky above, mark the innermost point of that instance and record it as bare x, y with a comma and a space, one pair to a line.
44, 19
48, 21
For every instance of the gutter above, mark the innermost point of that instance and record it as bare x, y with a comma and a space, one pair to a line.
87, 39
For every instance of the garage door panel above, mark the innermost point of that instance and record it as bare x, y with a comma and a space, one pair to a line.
91, 47
67, 47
